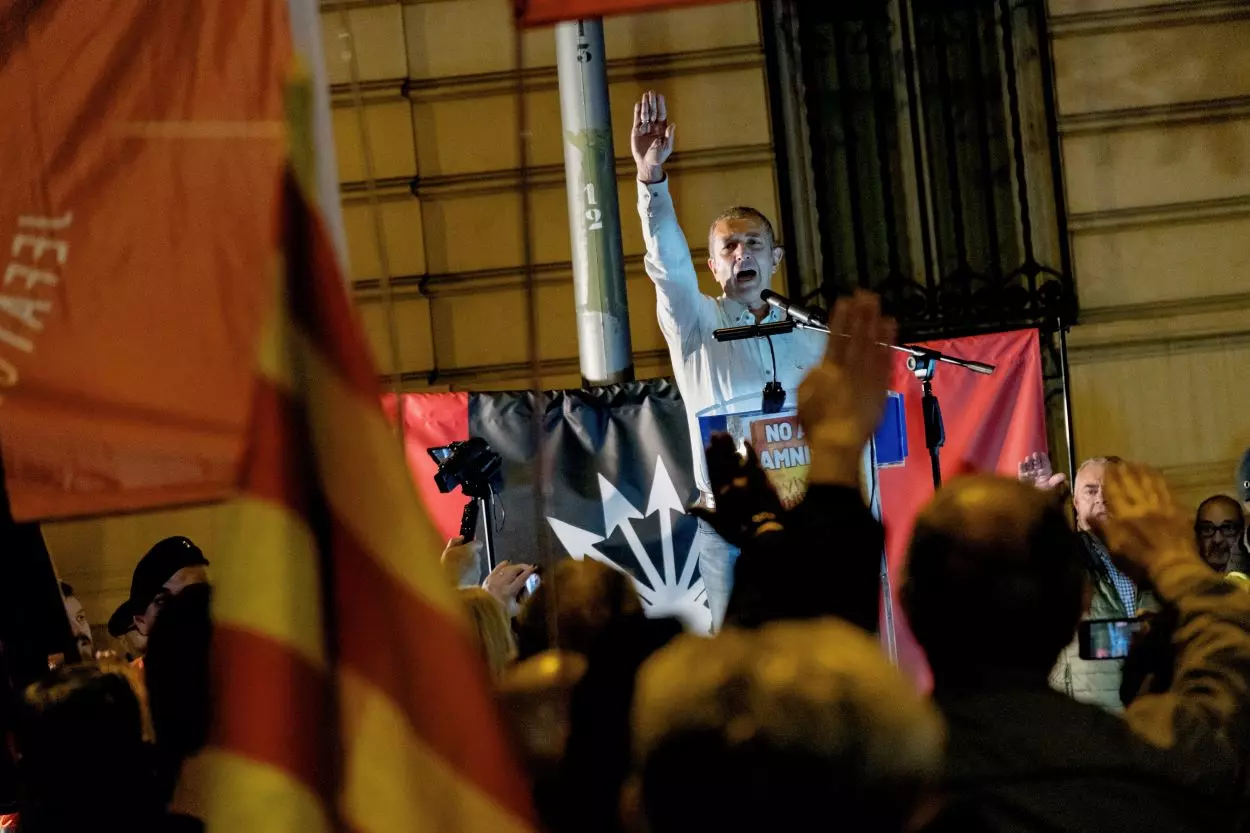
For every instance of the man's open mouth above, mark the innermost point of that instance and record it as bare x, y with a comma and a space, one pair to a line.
745, 276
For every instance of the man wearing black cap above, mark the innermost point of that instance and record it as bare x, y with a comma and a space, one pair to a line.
170, 566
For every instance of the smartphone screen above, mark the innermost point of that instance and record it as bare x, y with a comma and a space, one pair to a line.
531, 583
1107, 638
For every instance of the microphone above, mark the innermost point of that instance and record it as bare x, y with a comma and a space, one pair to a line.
803, 315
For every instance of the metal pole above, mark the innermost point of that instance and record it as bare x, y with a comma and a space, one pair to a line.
594, 213
934, 431
538, 434
1067, 398
306, 31
487, 514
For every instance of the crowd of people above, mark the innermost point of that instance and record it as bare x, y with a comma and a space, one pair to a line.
791, 716
101, 741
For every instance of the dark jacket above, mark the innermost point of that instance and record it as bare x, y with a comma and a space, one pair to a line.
1032, 759
1026, 758
827, 562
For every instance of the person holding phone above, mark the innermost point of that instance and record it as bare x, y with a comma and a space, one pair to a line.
512, 584
1023, 757
1112, 594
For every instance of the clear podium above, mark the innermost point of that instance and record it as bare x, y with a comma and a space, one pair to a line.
778, 440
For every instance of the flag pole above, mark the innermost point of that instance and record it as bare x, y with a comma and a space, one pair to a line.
379, 231
306, 36
543, 555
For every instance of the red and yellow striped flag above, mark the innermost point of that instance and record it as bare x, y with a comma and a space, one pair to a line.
348, 695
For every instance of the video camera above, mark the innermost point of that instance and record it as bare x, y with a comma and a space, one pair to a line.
470, 464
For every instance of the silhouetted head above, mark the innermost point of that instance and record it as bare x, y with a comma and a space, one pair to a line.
81, 739
588, 596
777, 728
995, 581
177, 670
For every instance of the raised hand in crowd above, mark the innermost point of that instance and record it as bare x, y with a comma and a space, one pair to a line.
1199, 713
460, 560
506, 582
747, 506
651, 139
842, 400
1036, 470
1144, 526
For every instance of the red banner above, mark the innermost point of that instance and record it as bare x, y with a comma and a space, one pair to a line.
991, 422
142, 159
541, 12
432, 420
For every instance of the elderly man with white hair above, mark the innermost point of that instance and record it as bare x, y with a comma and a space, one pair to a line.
1112, 594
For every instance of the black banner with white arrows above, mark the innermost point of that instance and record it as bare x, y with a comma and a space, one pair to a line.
618, 469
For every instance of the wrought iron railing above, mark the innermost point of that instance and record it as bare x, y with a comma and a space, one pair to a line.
932, 159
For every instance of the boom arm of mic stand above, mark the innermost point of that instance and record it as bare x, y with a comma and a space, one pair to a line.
925, 353
761, 330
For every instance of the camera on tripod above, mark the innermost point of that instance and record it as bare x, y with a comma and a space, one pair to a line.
470, 464
477, 469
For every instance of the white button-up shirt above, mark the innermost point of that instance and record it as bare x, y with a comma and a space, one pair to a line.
710, 372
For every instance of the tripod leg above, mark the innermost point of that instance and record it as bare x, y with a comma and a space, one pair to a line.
934, 430
488, 532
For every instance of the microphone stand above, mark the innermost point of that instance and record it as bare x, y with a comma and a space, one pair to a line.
923, 364
934, 430
774, 395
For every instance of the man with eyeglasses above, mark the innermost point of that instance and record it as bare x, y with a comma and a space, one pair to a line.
1219, 527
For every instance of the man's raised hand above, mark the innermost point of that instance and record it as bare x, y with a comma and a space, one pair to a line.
1036, 470
1143, 524
843, 398
651, 139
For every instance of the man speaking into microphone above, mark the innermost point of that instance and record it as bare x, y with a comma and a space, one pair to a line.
743, 256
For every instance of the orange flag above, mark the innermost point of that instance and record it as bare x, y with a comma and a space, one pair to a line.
141, 142
540, 12
349, 695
